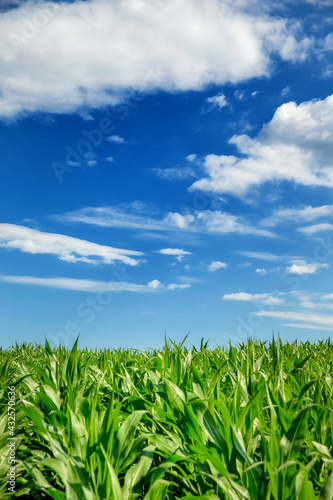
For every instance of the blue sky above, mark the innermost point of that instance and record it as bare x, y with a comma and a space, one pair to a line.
166, 168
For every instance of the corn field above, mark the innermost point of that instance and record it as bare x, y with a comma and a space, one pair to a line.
248, 422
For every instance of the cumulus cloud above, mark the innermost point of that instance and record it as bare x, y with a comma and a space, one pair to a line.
136, 216
216, 265
263, 298
155, 284
95, 53
116, 138
261, 271
218, 101
66, 248
295, 146
303, 267
304, 213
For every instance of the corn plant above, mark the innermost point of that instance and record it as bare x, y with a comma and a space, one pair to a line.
252, 421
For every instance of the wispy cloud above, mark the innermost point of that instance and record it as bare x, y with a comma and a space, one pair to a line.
181, 286
316, 228
260, 255
315, 319
66, 248
135, 216
300, 214
176, 173
216, 265
263, 298
307, 327
82, 285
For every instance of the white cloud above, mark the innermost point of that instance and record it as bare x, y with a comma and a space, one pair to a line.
303, 267
260, 271
328, 297
66, 248
116, 138
174, 251
175, 173
110, 159
307, 327
93, 286
81, 285
300, 214
316, 228
263, 298
223, 223
177, 252
216, 265
174, 286
239, 94
321, 3
295, 146
260, 255
285, 91
218, 100
303, 317
155, 284
95, 53
137, 216
191, 158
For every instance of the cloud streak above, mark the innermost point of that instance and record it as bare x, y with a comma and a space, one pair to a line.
66, 248
135, 216
303, 317
263, 298
93, 286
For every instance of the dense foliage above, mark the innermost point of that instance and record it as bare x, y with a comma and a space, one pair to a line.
248, 422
